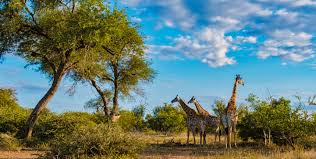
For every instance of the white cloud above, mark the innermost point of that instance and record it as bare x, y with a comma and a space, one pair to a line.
131, 3
304, 3
209, 45
136, 19
288, 45
169, 11
169, 23
249, 39
291, 16
162, 52
283, 24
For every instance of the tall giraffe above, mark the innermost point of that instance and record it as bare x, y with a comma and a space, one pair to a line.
193, 119
209, 120
230, 117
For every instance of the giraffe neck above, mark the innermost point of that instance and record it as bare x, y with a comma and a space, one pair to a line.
200, 109
232, 101
186, 108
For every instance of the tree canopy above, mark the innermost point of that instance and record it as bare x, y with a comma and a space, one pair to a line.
57, 36
123, 65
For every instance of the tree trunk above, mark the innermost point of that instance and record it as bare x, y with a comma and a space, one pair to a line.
265, 137
269, 137
103, 97
116, 91
43, 103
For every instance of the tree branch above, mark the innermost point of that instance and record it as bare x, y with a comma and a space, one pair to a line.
45, 58
73, 64
107, 78
108, 50
73, 6
29, 11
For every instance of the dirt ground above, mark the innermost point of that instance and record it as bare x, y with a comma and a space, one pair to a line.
20, 154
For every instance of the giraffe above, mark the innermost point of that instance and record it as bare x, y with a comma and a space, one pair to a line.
209, 120
193, 119
230, 117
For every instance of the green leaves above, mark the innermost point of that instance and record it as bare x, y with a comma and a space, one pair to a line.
287, 123
167, 119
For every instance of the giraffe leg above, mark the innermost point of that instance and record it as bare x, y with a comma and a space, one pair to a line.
219, 135
235, 135
188, 134
216, 134
193, 132
226, 137
201, 136
235, 139
230, 138
204, 137
226, 140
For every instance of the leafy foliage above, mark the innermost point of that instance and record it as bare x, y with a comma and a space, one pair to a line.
287, 124
50, 125
96, 141
167, 119
132, 120
8, 142
12, 116
124, 65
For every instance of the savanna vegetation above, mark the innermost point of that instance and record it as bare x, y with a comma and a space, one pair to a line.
89, 41
161, 133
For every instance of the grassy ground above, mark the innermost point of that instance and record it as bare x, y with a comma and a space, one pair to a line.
174, 146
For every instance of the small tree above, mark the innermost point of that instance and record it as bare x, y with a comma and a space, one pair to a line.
167, 119
124, 65
219, 108
12, 116
277, 120
57, 36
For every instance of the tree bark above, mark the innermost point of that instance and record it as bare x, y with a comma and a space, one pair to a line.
265, 137
116, 91
43, 102
269, 137
103, 97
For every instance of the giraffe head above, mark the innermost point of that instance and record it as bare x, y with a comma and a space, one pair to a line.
176, 99
239, 80
192, 100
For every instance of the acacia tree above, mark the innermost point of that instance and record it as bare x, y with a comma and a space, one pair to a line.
124, 67
55, 35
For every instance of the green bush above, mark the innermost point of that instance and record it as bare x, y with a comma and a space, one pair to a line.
287, 124
51, 125
167, 119
128, 120
95, 142
12, 116
8, 142
133, 120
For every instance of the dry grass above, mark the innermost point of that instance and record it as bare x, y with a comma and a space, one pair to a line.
20, 154
173, 146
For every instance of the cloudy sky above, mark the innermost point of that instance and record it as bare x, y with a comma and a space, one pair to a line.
197, 47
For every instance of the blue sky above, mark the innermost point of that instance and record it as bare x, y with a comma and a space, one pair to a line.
197, 47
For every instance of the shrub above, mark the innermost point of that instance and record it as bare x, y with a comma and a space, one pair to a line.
50, 125
128, 120
8, 142
167, 119
96, 141
132, 120
286, 124
12, 116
